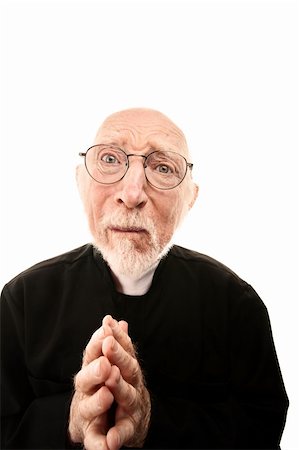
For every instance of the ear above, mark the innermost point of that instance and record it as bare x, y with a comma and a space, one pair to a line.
194, 195
82, 182
78, 170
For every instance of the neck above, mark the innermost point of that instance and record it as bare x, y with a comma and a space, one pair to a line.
131, 285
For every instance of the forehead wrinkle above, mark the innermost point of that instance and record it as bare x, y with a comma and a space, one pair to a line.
140, 136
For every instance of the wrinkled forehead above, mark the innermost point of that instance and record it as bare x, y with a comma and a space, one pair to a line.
142, 132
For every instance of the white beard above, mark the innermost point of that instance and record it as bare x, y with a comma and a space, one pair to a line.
128, 256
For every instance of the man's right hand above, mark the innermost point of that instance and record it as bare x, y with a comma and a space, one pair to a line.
89, 419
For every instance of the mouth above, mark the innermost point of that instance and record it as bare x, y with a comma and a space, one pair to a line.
127, 230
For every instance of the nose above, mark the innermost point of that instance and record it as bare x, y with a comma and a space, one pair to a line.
131, 192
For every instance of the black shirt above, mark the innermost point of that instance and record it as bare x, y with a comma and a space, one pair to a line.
203, 338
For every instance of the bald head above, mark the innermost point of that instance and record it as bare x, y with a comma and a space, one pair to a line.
140, 125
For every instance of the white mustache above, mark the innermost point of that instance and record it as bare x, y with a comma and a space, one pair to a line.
133, 220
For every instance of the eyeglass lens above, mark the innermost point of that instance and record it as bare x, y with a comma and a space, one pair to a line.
109, 164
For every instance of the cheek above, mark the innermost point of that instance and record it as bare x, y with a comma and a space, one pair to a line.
171, 211
94, 205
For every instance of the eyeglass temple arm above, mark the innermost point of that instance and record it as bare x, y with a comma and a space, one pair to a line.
82, 153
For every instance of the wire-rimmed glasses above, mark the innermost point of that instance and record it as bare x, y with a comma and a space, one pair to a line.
108, 164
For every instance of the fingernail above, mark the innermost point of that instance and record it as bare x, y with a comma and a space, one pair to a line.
107, 317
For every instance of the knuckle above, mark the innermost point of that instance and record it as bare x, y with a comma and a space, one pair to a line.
129, 431
89, 442
135, 370
82, 381
94, 442
131, 371
132, 398
90, 407
78, 381
83, 410
98, 403
125, 358
87, 357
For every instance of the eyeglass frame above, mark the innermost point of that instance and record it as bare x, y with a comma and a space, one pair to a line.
188, 164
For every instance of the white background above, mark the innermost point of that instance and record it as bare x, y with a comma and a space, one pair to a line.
226, 72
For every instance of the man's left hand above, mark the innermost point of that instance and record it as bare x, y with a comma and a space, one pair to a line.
126, 383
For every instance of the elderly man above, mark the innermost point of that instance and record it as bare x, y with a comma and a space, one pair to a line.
177, 349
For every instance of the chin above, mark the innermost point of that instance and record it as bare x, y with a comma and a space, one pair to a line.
131, 259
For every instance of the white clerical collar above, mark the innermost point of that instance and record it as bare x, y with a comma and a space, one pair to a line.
134, 286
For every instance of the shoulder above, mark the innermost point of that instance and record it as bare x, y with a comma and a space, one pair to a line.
209, 277
200, 263
52, 268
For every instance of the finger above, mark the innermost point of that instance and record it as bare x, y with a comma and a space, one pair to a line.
120, 434
120, 332
124, 393
124, 326
123, 338
93, 349
95, 405
109, 320
94, 441
92, 375
117, 356
94, 438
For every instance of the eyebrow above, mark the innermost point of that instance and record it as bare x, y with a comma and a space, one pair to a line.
153, 147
